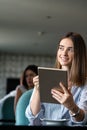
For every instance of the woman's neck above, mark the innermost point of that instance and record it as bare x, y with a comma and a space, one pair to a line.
65, 68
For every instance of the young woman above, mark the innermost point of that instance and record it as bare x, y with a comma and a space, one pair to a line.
26, 82
71, 56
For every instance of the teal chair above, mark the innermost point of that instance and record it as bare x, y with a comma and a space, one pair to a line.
7, 116
23, 101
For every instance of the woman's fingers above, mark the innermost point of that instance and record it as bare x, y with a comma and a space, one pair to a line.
36, 81
65, 90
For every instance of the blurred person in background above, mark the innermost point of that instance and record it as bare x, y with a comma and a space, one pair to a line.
26, 82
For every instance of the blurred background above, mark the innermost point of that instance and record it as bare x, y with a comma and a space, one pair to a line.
30, 31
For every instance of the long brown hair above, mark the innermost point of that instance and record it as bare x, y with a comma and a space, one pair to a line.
78, 70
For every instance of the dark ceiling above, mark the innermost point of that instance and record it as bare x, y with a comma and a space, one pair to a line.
35, 26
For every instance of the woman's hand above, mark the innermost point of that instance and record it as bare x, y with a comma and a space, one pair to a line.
36, 81
63, 96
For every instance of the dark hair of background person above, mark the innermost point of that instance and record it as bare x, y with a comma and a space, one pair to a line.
32, 67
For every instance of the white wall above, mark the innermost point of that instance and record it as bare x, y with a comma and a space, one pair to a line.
12, 65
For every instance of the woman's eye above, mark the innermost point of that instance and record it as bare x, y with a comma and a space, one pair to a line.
61, 48
70, 49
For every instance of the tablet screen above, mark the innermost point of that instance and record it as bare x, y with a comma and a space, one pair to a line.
49, 78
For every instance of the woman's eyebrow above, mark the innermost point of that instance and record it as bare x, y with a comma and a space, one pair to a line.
61, 45
67, 47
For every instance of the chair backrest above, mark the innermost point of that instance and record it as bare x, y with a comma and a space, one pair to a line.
21, 107
7, 111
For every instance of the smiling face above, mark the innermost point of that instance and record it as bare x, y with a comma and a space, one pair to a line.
65, 53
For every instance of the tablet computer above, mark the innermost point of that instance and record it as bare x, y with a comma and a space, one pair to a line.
49, 78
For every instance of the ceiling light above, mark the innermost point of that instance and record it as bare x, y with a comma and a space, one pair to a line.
40, 33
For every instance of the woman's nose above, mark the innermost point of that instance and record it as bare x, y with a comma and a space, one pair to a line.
65, 52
